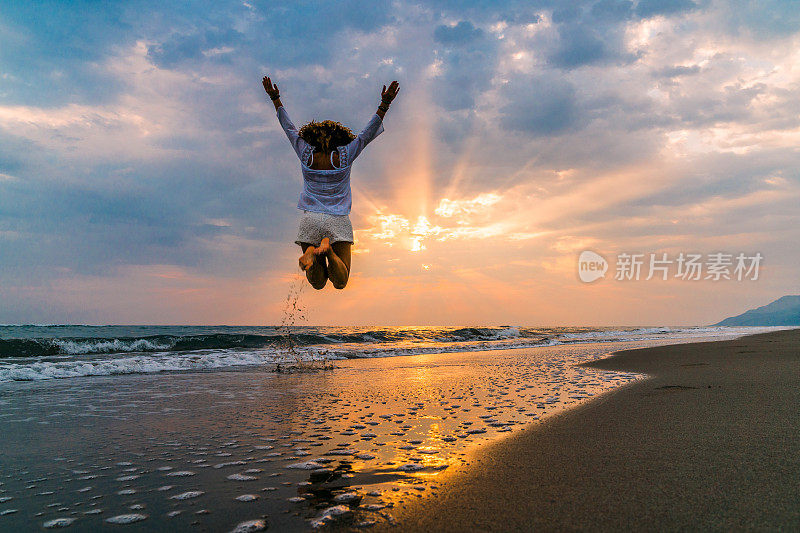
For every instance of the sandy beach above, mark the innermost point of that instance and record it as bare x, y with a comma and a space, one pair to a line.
709, 441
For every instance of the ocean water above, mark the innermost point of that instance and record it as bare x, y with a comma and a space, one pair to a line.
41, 352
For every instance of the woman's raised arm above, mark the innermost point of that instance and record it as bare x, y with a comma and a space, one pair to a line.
300, 146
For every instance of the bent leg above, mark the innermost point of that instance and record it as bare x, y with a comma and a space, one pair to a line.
314, 265
339, 264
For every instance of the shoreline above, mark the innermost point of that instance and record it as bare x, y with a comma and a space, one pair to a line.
706, 440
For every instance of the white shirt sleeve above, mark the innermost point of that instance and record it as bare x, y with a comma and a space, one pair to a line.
372, 130
298, 144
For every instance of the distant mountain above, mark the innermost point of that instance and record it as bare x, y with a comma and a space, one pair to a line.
782, 312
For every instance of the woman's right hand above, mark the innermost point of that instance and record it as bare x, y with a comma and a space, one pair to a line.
271, 88
387, 95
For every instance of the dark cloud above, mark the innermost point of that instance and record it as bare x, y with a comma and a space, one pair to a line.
311, 32
468, 57
740, 177
462, 33
49, 51
676, 71
567, 12
766, 19
522, 16
148, 213
540, 106
651, 8
193, 47
52, 51
731, 104
579, 45
590, 34
510, 11
13, 152
456, 127
612, 10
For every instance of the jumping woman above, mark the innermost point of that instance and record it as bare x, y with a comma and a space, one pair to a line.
327, 150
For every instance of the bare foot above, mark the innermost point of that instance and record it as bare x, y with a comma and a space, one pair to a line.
307, 259
323, 247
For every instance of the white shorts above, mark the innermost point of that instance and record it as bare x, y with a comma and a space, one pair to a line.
316, 226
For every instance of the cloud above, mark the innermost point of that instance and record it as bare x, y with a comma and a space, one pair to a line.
612, 10
311, 32
449, 208
580, 45
466, 57
590, 33
651, 8
206, 45
540, 106
765, 19
676, 71
462, 33
49, 51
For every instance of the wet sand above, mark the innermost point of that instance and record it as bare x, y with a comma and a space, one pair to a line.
709, 441
205, 451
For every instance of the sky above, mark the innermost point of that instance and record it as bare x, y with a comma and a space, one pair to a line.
144, 178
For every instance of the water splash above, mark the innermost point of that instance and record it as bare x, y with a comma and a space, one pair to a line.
294, 313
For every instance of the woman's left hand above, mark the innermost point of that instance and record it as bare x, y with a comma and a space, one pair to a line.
271, 88
387, 95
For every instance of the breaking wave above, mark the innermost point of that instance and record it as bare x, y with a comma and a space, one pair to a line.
33, 353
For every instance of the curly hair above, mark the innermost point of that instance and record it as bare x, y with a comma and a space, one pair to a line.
326, 135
